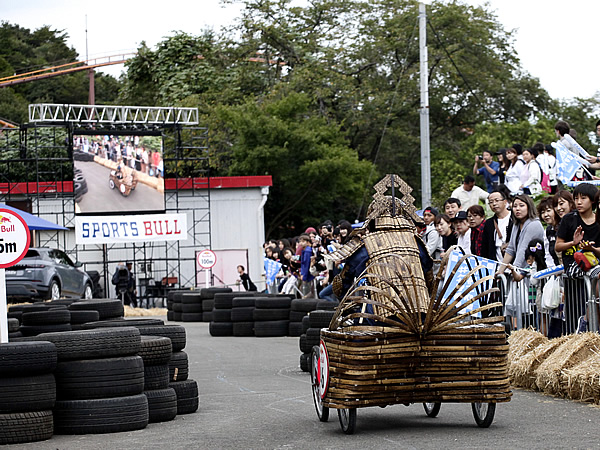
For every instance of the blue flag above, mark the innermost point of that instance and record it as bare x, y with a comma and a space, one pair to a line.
567, 163
271, 270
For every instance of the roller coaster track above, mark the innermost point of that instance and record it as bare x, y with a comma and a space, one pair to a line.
63, 69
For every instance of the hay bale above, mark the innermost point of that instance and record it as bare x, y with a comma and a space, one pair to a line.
522, 370
143, 312
574, 350
582, 382
522, 342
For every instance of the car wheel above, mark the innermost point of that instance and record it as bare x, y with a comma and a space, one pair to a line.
111, 183
54, 290
88, 293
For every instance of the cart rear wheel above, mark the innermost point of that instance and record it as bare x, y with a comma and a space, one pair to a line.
432, 409
322, 411
483, 413
347, 418
111, 183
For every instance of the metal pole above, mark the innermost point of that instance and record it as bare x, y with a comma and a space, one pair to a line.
424, 112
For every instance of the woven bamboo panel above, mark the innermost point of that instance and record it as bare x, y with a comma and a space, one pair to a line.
378, 368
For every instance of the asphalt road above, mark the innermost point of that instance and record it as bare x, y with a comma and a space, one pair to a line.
253, 395
101, 198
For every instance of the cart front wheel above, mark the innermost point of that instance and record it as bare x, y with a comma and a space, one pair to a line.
111, 183
347, 420
322, 411
483, 413
432, 409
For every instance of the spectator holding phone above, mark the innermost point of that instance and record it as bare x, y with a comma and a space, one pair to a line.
489, 170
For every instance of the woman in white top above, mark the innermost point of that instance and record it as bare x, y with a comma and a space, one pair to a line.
512, 178
531, 175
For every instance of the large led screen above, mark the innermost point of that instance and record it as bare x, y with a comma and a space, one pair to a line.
118, 174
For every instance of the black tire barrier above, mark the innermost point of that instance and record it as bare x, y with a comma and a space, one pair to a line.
313, 337
50, 317
242, 314
211, 291
271, 314
170, 316
162, 404
60, 301
207, 316
99, 378
174, 332
27, 393
18, 358
238, 302
177, 316
81, 317
17, 428
156, 377
304, 346
304, 304
223, 301
327, 305
221, 315
220, 328
178, 367
305, 324
295, 329
187, 396
191, 317
15, 334
320, 319
169, 305
98, 343
191, 308
243, 329
191, 298
272, 328
123, 323
155, 350
208, 305
108, 415
305, 362
107, 308
177, 307
297, 316
272, 302
13, 325
34, 330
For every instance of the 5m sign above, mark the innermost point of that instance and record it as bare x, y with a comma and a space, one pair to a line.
14, 238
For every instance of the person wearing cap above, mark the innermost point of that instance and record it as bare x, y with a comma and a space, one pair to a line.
489, 170
463, 231
468, 193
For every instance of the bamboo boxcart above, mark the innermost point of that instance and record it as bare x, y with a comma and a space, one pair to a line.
396, 339
124, 182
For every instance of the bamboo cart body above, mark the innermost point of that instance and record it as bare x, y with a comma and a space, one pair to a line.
124, 184
396, 336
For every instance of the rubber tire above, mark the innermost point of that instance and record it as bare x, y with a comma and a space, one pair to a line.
155, 350
100, 343
347, 418
177, 307
238, 302
192, 317
123, 323
187, 396
156, 377
322, 411
81, 317
313, 336
35, 330
297, 316
295, 329
21, 358
50, 317
99, 378
178, 367
53, 290
271, 314
212, 291
304, 347
432, 409
162, 405
191, 307
243, 329
27, 393
207, 316
242, 314
221, 315
178, 316
174, 332
304, 362
305, 324
486, 421
191, 298
222, 301
320, 319
326, 305
170, 316
304, 304
272, 302
220, 328
272, 328
107, 415
107, 308
208, 305
18, 428
13, 325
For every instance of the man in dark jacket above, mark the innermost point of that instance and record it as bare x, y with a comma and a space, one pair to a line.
497, 229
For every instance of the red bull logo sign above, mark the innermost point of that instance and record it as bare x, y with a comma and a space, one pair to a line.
14, 238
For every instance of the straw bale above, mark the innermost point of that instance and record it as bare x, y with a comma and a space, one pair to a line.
576, 349
522, 342
522, 370
144, 312
582, 382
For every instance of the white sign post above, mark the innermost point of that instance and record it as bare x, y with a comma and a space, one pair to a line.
14, 243
207, 260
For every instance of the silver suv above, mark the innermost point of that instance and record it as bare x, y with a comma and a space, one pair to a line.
47, 273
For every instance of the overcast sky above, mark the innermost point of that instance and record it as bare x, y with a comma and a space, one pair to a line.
555, 40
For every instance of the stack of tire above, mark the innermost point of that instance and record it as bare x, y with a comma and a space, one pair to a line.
107, 308
79, 184
174, 305
242, 315
35, 324
156, 353
13, 329
312, 334
53, 319
99, 381
299, 308
221, 320
27, 391
272, 316
191, 306
186, 389
208, 298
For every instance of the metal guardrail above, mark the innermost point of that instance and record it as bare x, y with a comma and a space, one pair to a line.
111, 114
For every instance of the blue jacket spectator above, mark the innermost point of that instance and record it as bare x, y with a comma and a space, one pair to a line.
490, 169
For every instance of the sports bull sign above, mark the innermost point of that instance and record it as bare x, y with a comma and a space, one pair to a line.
138, 228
